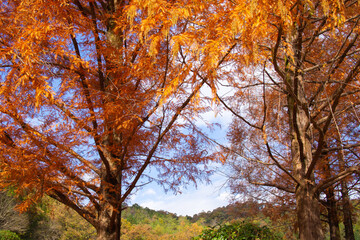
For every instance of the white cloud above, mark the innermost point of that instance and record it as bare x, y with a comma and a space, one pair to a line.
224, 196
150, 191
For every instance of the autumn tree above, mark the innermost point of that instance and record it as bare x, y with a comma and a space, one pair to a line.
293, 68
294, 75
93, 94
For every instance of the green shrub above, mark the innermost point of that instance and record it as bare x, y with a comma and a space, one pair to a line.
238, 231
8, 235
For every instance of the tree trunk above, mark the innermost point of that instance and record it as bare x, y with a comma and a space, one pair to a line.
308, 213
108, 228
346, 209
332, 214
346, 205
307, 202
102, 234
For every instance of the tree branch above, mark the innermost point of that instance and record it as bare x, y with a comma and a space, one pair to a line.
335, 98
330, 181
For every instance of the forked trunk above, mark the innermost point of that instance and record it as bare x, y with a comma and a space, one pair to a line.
308, 213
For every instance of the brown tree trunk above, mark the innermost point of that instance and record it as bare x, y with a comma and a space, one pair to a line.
110, 209
307, 202
103, 234
332, 213
308, 213
118, 226
346, 205
346, 209
108, 226
333, 218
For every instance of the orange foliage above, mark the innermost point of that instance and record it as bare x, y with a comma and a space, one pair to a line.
92, 95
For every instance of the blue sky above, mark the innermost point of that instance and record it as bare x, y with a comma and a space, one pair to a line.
205, 197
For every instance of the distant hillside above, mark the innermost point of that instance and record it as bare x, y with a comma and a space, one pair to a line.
136, 214
143, 223
248, 209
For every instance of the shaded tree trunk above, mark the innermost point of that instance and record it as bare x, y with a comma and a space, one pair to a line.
308, 213
307, 202
307, 197
331, 207
333, 218
346, 209
346, 205
105, 231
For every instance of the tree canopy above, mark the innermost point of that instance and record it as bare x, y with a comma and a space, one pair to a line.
94, 93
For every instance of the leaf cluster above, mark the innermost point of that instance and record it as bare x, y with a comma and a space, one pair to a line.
8, 235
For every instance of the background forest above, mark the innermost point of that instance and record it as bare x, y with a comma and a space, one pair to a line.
50, 220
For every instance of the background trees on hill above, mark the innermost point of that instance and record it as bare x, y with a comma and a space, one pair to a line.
51, 220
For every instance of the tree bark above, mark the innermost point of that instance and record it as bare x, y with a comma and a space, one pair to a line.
108, 224
346, 209
104, 234
308, 213
346, 205
308, 209
332, 214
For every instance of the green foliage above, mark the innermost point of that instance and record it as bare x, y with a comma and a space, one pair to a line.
221, 215
161, 222
144, 223
8, 235
238, 231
